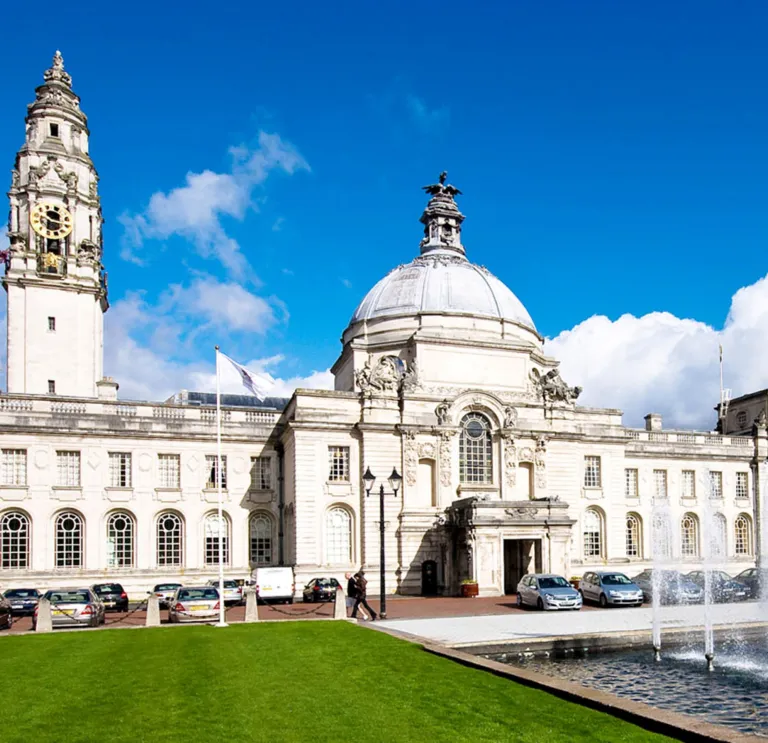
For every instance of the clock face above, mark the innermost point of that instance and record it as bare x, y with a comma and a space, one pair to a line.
51, 220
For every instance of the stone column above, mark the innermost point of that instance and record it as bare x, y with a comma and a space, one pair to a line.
340, 604
251, 605
44, 620
153, 611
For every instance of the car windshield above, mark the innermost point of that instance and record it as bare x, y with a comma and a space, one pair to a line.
198, 593
553, 582
69, 597
721, 575
167, 586
327, 582
108, 588
21, 593
616, 579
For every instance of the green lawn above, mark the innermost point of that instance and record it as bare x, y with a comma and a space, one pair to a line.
286, 681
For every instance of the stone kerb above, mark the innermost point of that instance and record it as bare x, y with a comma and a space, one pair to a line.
251, 606
340, 604
153, 611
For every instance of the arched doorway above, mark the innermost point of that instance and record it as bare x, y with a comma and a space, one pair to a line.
429, 578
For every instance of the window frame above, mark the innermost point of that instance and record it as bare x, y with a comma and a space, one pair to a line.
123, 556
689, 536
745, 538
211, 541
636, 551
15, 543
334, 547
172, 544
211, 467
339, 455
631, 482
13, 461
163, 470
476, 460
124, 471
593, 547
260, 554
65, 461
593, 472
69, 545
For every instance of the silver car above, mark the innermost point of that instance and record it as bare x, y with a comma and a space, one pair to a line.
165, 592
607, 587
73, 607
547, 592
194, 604
233, 593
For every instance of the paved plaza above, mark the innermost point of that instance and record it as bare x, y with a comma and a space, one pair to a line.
522, 625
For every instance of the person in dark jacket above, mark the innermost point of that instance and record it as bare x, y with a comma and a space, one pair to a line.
361, 592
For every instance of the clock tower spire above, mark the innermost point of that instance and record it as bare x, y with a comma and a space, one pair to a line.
54, 278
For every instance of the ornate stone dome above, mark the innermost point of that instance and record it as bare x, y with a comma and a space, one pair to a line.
441, 280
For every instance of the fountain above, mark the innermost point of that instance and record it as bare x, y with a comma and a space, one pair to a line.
661, 553
711, 546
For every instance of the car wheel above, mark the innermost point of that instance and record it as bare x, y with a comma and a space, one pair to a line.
540, 605
304, 600
603, 601
290, 600
519, 601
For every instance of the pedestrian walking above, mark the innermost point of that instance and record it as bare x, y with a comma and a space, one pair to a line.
352, 593
361, 590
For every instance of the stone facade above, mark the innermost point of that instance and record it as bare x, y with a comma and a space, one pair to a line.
442, 375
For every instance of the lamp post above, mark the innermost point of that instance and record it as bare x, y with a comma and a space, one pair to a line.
394, 483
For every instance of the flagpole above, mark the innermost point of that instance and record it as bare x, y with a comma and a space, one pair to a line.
222, 622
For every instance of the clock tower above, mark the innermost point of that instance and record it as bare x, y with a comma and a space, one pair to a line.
56, 284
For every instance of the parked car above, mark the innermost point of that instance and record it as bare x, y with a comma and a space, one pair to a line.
112, 595
320, 589
609, 588
752, 579
194, 604
724, 588
23, 600
165, 592
674, 587
274, 584
73, 607
547, 592
233, 594
6, 613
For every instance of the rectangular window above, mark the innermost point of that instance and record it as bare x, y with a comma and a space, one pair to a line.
169, 471
68, 469
54, 130
51, 387
715, 484
261, 473
13, 467
338, 463
592, 472
52, 324
660, 484
689, 484
742, 485
119, 470
630, 483
212, 468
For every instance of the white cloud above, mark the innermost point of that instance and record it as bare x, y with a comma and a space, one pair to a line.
346, 282
661, 363
425, 117
195, 210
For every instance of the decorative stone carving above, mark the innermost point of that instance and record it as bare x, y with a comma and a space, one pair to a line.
427, 450
510, 461
88, 252
56, 72
526, 454
551, 388
522, 512
442, 218
442, 411
38, 173
384, 377
540, 462
410, 457
411, 379
14, 179
510, 417
445, 457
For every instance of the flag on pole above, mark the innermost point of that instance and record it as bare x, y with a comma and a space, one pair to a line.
258, 384
721, 352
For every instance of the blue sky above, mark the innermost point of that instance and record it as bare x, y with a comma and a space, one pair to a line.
613, 159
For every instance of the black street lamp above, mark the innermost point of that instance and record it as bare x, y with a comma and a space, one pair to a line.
394, 483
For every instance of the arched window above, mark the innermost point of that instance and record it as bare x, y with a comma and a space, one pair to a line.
743, 533
338, 537
634, 535
120, 540
475, 450
170, 540
261, 539
14, 541
689, 536
69, 540
718, 540
216, 529
593, 533
661, 536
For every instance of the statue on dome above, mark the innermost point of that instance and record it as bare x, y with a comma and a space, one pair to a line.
552, 388
438, 189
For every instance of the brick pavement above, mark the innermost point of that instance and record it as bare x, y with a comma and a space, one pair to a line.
398, 607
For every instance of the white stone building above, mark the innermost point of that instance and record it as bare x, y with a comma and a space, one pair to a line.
442, 375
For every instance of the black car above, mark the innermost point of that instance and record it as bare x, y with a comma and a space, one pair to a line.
724, 589
752, 579
320, 589
23, 600
112, 595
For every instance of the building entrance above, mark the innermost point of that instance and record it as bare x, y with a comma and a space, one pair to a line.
521, 556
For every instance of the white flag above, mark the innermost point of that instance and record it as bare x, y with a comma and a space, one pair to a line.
257, 384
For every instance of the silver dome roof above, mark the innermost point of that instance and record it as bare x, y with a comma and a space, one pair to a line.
441, 279
442, 282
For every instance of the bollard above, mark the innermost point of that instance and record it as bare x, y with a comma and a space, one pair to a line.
340, 604
153, 611
251, 605
44, 621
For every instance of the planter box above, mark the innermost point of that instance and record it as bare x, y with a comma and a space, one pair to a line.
469, 590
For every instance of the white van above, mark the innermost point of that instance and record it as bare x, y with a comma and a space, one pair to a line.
274, 584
